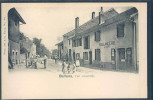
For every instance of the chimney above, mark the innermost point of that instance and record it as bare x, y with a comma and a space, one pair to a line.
77, 22
93, 15
101, 9
100, 18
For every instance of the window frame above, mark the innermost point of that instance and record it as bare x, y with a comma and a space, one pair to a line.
98, 36
120, 30
85, 55
74, 43
69, 41
79, 42
97, 58
87, 42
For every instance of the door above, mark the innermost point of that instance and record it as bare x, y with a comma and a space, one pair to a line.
90, 57
69, 54
73, 56
129, 57
121, 61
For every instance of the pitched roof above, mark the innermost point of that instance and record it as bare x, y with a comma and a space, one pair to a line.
95, 21
13, 11
60, 43
120, 17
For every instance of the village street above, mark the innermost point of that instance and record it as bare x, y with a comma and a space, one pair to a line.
51, 82
51, 67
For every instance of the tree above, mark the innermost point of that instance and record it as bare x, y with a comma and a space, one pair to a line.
40, 48
37, 42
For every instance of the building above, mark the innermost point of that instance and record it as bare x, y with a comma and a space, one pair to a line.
14, 20
109, 40
60, 50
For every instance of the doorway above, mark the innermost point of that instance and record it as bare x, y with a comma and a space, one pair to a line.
129, 57
73, 56
121, 61
90, 57
69, 54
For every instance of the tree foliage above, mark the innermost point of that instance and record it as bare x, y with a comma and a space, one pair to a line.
40, 48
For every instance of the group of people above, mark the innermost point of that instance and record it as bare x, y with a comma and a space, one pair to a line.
70, 67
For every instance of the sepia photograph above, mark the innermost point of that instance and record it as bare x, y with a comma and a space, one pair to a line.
74, 50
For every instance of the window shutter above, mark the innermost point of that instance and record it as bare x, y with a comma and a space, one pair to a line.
95, 54
80, 41
95, 36
84, 43
99, 35
120, 30
98, 54
88, 42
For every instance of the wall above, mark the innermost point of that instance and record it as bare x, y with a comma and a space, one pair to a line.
65, 46
13, 29
16, 48
108, 34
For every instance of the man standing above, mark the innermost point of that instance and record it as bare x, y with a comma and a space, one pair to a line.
45, 61
56, 57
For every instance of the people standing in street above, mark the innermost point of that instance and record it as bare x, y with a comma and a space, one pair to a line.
36, 62
77, 62
10, 63
65, 67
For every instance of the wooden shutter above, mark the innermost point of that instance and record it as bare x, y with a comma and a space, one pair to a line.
95, 36
95, 54
120, 30
98, 54
88, 42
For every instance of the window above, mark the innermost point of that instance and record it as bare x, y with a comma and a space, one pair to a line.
120, 30
16, 53
87, 42
85, 55
97, 36
78, 55
13, 53
97, 55
69, 42
73, 43
79, 42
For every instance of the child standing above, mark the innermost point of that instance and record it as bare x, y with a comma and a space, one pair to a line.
77, 62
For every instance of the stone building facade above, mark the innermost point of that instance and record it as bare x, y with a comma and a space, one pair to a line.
14, 20
109, 40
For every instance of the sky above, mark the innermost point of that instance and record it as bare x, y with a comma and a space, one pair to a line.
50, 21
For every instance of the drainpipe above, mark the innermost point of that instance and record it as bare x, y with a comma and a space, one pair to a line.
135, 45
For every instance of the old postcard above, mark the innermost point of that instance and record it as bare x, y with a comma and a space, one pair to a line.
74, 50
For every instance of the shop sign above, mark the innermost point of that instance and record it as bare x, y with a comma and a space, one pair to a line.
107, 44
